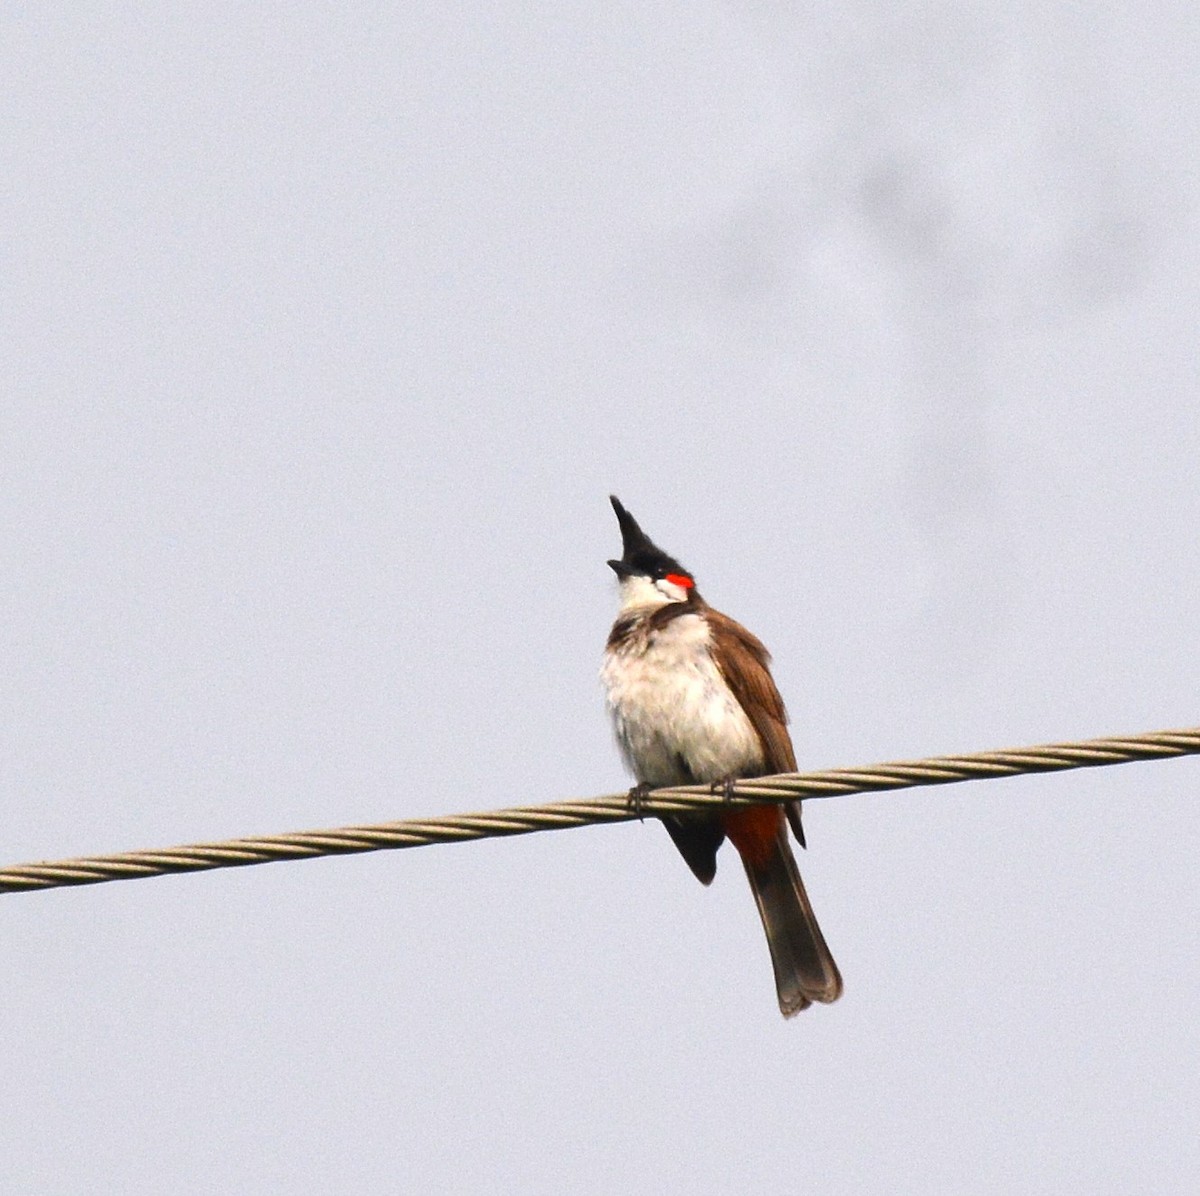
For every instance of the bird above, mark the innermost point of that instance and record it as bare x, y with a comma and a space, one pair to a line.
692, 701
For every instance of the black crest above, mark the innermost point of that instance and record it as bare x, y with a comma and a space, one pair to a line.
639, 553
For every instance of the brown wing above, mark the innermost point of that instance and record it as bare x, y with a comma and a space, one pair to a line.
744, 663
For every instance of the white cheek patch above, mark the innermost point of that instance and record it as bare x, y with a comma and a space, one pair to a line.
640, 592
670, 590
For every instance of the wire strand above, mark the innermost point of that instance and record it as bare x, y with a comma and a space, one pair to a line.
524, 820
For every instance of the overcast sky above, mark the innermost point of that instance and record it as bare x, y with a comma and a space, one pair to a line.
325, 332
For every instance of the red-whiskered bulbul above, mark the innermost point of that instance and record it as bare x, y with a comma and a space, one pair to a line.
693, 702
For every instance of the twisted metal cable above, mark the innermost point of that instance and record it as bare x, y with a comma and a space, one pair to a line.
522, 820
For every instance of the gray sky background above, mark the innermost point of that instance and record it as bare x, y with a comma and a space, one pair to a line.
326, 331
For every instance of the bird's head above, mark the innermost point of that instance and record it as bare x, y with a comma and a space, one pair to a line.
648, 576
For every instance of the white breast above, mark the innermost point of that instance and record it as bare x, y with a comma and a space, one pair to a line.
675, 718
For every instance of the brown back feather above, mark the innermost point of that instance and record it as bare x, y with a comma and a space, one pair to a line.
744, 663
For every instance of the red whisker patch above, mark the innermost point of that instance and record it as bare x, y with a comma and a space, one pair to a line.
681, 580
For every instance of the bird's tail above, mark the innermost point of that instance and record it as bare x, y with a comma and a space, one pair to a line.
804, 968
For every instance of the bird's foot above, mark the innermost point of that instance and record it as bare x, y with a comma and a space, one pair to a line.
724, 788
637, 798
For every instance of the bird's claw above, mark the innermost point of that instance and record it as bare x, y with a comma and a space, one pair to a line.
724, 788
637, 799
